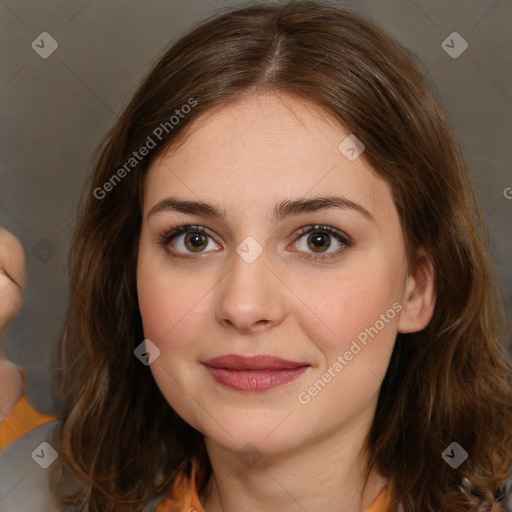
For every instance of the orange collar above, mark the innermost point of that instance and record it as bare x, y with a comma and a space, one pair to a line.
23, 418
185, 494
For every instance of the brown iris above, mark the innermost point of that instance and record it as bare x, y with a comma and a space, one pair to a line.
318, 243
196, 245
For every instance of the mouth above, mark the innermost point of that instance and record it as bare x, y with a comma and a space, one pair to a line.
255, 373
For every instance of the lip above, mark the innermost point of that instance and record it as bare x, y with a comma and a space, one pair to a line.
253, 373
257, 362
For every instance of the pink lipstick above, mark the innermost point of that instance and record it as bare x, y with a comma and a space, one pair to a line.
254, 373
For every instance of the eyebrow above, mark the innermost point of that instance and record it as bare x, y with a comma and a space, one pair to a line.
284, 209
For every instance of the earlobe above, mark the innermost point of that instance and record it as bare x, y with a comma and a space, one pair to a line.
420, 296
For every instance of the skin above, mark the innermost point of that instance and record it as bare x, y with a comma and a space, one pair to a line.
268, 149
12, 284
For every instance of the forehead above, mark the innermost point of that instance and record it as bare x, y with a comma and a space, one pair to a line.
260, 150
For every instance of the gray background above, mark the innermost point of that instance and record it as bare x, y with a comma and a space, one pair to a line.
55, 110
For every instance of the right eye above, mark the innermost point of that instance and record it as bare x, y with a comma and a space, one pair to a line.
186, 239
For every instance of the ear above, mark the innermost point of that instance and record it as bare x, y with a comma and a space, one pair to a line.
420, 296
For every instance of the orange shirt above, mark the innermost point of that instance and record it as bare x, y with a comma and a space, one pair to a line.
23, 418
185, 496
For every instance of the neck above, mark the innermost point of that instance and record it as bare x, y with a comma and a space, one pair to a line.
325, 475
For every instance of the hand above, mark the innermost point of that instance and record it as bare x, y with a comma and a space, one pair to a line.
12, 285
12, 277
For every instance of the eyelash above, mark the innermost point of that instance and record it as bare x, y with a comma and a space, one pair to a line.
341, 237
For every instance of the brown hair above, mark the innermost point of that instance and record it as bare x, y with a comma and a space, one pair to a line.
448, 382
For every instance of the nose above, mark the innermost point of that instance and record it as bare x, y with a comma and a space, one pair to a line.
251, 296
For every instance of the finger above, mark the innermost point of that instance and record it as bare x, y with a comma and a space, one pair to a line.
12, 258
12, 277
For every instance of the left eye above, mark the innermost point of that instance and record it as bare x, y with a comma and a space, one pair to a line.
194, 239
318, 239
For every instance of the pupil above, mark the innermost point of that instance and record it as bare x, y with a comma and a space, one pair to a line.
195, 240
319, 241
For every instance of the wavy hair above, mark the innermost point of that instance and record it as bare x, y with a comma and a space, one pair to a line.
449, 382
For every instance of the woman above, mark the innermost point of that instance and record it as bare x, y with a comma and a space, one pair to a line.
283, 214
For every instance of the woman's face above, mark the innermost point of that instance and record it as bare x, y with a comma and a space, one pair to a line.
253, 284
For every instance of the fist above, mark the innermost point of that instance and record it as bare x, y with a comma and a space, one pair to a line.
12, 277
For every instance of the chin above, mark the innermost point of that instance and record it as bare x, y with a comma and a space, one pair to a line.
270, 436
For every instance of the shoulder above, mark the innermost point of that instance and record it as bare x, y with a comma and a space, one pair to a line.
23, 418
24, 470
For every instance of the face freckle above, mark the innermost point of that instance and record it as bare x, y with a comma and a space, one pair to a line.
257, 287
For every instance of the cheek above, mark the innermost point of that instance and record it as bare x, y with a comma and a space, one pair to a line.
168, 314
162, 295
174, 307
337, 311
171, 317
